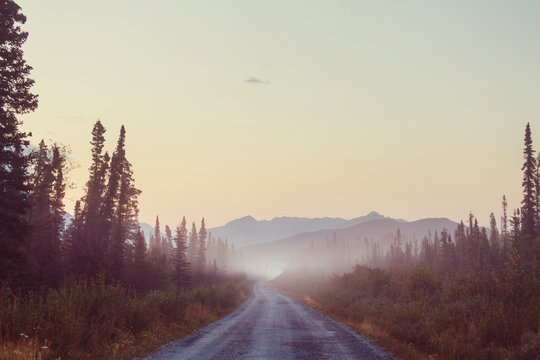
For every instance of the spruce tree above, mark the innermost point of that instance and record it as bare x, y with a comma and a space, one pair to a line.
157, 237
95, 187
528, 209
484, 250
90, 247
72, 238
112, 192
461, 245
58, 190
152, 242
504, 226
15, 99
124, 221
193, 246
494, 239
167, 242
46, 213
41, 249
515, 232
447, 262
181, 264
139, 262
201, 249
537, 192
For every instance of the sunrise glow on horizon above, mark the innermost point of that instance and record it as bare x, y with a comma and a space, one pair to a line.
294, 108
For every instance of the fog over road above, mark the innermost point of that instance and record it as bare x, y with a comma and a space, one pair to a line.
270, 325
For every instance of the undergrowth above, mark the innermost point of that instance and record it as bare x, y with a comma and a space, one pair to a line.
96, 320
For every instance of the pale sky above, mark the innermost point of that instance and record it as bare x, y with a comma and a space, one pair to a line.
294, 108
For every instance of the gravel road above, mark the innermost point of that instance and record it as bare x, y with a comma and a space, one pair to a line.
270, 325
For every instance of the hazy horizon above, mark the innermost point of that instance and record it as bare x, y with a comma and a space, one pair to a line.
312, 109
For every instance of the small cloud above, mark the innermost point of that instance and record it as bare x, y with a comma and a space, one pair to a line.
257, 81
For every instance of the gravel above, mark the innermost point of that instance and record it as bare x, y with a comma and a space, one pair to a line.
270, 325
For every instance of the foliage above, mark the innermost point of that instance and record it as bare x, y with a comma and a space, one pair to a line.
15, 99
471, 297
462, 317
96, 319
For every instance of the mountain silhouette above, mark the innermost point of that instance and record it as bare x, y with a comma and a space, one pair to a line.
248, 231
276, 254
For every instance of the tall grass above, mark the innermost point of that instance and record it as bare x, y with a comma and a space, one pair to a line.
96, 320
462, 317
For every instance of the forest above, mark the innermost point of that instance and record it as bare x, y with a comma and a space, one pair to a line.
88, 286
473, 294
87, 283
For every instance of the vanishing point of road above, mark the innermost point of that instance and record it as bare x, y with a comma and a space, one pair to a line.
270, 325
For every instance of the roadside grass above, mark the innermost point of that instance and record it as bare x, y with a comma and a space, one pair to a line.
377, 335
415, 315
97, 320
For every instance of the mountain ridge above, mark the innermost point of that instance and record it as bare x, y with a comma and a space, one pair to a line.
276, 254
247, 230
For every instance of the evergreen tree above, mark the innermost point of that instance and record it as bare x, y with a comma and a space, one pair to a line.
112, 192
58, 190
152, 242
504, 226
124, 224
92, 251
157, 237
537, 192
201, 249
461, 245
72, 239
515, 233
42, 248
167, 242
436, 248
426, 252
484, 250
181, 264
193, 246
494, 239
408, 262
139, 269
448, 261
47, 212
528, 209
15, 99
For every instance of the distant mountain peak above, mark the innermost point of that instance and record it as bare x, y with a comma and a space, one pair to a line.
247, 230
245, 219
373, 213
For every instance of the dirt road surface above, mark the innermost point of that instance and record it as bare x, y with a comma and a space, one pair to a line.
270, 325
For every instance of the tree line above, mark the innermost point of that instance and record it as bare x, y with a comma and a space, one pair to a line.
471, 249
90, 286
39, 244
104, 237
470, 294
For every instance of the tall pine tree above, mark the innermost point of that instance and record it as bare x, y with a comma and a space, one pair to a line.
528, 209
181, 264
139, 264
504, 226
193, 246
201, 249
124, 223
58, 190
15, 99
46, 213
91, 252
